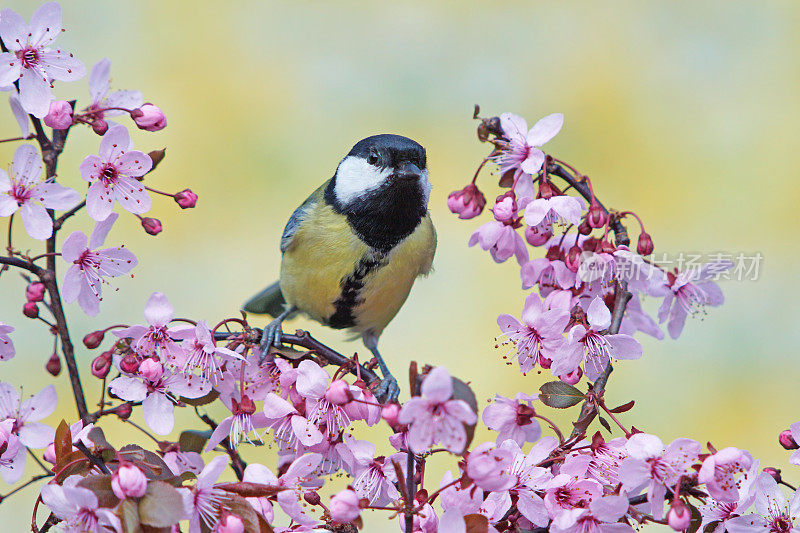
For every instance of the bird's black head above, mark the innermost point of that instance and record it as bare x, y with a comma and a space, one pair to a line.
382, 186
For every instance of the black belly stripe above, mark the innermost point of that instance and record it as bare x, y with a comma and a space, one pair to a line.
352, 284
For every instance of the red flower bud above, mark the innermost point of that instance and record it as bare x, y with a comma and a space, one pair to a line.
149, 117
787, 441
544, 362
390, 413
466, 203
130, 363
100, 126
92, 340
124, 411
597, 216
679, 516
186, 199
312, 497
101, 365
645, 244
30, 310
573, 259
584, 228
53, 365
59, 117
151, 225
774, 472
34, 292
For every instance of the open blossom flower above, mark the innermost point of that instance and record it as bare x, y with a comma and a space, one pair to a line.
202, 500
90, 266
243, 420
157, 393
31, 60
716, 514
200, 352
688, 293
773, 513
586, 345
24, 190
719, 470
299, 475
650, 464
554, 210
113, 175
501, 240
513, 419
547, 273
538, 335
99, 88
291, 428
434, 417
78, 508
12, 453
24, 423
6, 344
601, 516
157, 338
522, 149
489, 467
374, 478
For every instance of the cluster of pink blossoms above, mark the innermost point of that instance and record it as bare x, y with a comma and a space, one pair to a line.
583, 314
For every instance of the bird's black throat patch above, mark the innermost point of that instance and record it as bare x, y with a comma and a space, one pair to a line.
350, 297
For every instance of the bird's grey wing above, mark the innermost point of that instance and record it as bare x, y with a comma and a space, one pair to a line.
270, 301
297, 217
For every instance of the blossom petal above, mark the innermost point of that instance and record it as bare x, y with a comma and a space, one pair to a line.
56, 196
158, 311
26, 164
40, 406
99, 201
545, 129
131, 195
128, 388
36, 434
45, 24
158, 413
36, 220
438, 385
34, 93
13, 30
134, 163
115, 142
98, 79
9, 401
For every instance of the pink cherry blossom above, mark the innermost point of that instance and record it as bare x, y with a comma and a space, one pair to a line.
773, 513
299, 476
312, 384
101, 99
604, 459
588, 346
24, 190
158, 397
653, 466
566, 492
6, 344
688, 293
513, 419
24, 423
717, 514
424, 521
79, 509
466, 203
548, 274
90, 265
113, 175
435, 417
538, 335
291, 428
157, 338
718, 472
30, 58
244, 420
180, 461
489, 467
258, 473
501, 240
12, 453
521, 151
374, 478
467, 500
344, 506
202, 500
601, 516
201, 353
560, 209
60, 115
149, 118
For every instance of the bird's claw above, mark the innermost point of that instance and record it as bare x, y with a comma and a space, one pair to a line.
387, 390
272, 336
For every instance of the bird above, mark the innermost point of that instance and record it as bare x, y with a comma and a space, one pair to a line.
353, 249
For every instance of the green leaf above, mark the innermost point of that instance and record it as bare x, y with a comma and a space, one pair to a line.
239, 506
605, 423
622, 408
62, 442
560, 395
98, 438
697, 519
100, 485
194, 441
462, 391
161, 506
251, 490
129, 516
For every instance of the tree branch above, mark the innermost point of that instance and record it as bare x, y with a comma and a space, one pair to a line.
25, 265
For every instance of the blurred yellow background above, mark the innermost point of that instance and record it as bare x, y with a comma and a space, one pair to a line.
685, 112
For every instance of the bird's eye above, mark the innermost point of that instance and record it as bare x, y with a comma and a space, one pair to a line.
373, 159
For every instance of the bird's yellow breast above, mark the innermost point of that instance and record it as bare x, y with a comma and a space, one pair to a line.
325, 258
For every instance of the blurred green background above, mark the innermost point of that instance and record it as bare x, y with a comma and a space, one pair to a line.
685, 112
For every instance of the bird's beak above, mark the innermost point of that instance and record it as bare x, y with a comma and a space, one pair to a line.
407, 171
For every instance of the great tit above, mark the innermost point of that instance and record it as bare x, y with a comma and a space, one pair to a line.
352, 250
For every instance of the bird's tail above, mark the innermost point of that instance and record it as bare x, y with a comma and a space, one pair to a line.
270, 301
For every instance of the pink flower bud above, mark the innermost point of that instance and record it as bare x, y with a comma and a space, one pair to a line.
50, 454
466, 203
679, 516
787, 441
101, 364
124, 410
30, 310
130, 363
345, 506
338, 393
92, 340
100, 126
774, 472
186, 199
390, 413
59, 117
149, 117
645, 244
151, 225
34, 292
505, 209
573, 377
151, 369
538, 235
597, 216
128, 482
230, 523
53, 365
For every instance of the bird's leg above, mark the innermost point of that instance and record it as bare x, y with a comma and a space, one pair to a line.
388, 390
273, 332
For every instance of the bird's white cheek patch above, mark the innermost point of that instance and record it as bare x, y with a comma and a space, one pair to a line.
426, 185
355, 177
